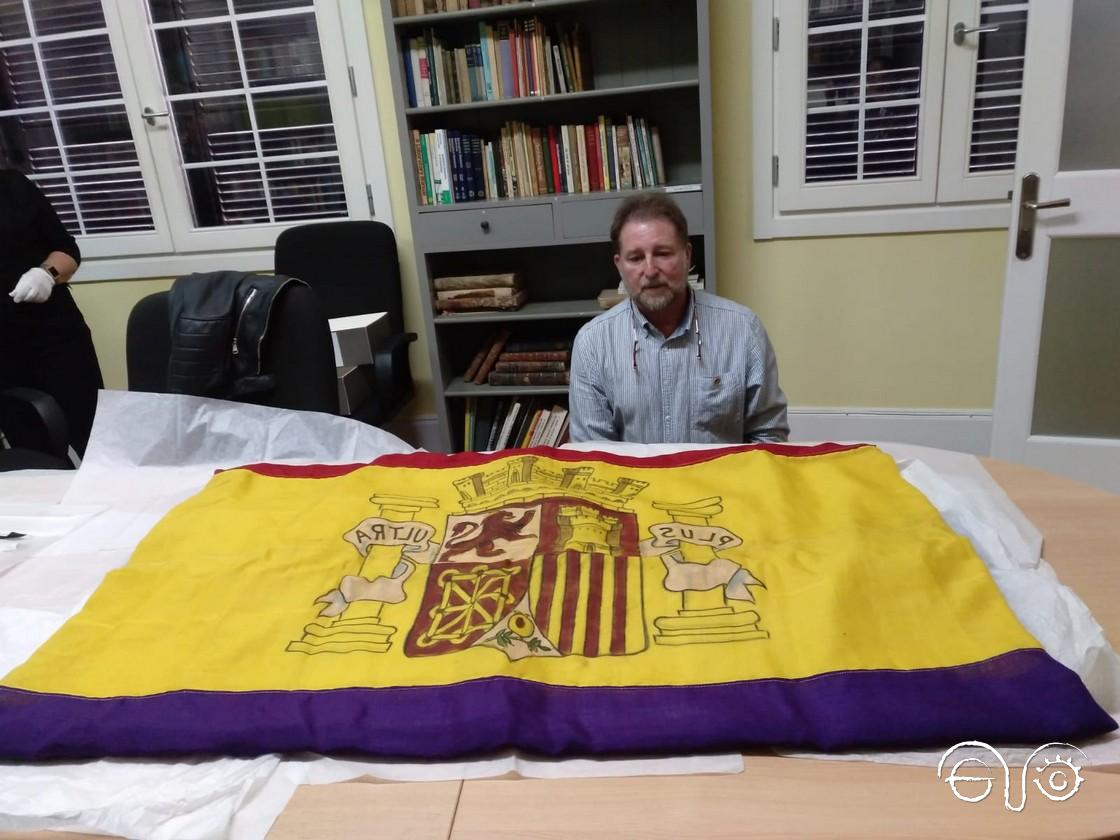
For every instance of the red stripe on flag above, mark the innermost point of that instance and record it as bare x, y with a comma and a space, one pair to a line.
436, 460
571, 600
543, 610
618, 615
594, 602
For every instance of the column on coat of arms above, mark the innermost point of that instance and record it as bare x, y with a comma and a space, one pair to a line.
689, 547
352, 618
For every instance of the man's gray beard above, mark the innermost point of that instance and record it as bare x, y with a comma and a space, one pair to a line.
655, 300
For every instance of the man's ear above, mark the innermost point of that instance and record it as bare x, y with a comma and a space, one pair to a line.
617, 267
688, 253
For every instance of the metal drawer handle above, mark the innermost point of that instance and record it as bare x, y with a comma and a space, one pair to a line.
960, 30
485, 225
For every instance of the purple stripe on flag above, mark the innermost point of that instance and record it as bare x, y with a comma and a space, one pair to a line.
1023, 696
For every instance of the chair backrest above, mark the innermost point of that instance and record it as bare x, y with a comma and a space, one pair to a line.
35, 428
353, 266
297, 351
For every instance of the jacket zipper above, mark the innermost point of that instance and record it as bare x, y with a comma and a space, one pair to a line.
268, 319
241, 317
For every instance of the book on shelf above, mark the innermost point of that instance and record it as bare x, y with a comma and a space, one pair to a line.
483, 292
537, 345
610, 297
530, 414
514, 423
410, 8
494, 430
491, 357
479, 357
534, 356
508, 424
557, 417
510, 280
483, 302
524, 161
537, 378
529, 367
506, 59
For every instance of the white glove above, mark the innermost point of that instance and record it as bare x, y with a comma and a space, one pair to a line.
33, 287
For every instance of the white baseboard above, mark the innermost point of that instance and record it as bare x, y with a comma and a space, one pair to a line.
961, 431
421, 430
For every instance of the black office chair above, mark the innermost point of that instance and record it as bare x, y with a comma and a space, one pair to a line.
35, 429
297, 351
354, 268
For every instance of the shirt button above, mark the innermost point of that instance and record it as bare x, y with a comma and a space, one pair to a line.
716, 381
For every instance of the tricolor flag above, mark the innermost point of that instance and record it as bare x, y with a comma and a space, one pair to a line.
553, 601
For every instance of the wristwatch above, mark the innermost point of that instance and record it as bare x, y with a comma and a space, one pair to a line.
51, 270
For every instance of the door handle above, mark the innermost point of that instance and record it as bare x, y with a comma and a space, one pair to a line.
1029, 205
150, 115
960, 30
1046, 205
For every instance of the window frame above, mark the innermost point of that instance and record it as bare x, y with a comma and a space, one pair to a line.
177, 247
905, 214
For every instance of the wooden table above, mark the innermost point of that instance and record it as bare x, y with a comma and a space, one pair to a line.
773, 797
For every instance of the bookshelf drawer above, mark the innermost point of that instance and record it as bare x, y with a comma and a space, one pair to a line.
591, 218
495, 227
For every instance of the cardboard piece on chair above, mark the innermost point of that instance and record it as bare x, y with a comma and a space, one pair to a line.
356, 336
353, 389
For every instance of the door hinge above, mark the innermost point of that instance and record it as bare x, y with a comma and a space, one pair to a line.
777, 33
774, 170
369, 198
353, 81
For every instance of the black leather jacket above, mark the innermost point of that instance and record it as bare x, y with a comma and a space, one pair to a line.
219, 322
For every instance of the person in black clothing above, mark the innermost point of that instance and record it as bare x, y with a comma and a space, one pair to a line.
44, 341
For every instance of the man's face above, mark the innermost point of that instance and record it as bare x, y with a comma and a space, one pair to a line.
653, 263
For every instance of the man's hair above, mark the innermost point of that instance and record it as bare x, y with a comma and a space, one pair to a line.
645, 207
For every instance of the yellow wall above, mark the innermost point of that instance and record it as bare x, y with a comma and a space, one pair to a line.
106, 307
902, 321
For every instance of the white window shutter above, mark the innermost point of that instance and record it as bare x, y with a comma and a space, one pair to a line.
857, 102
983, 88
63, 121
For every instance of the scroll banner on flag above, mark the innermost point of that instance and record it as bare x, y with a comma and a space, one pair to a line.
563, 603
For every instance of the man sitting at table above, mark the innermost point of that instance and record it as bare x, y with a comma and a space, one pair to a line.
670, 364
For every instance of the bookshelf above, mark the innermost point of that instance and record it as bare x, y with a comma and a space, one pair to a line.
645, 61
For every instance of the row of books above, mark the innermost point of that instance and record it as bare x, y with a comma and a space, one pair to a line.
511, 59
407, 8
479, 292
492, 424
526, 161
501, 361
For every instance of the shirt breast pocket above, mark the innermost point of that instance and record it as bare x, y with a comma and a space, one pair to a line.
717, 409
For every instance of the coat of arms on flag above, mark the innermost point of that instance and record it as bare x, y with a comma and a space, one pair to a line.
540, 562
